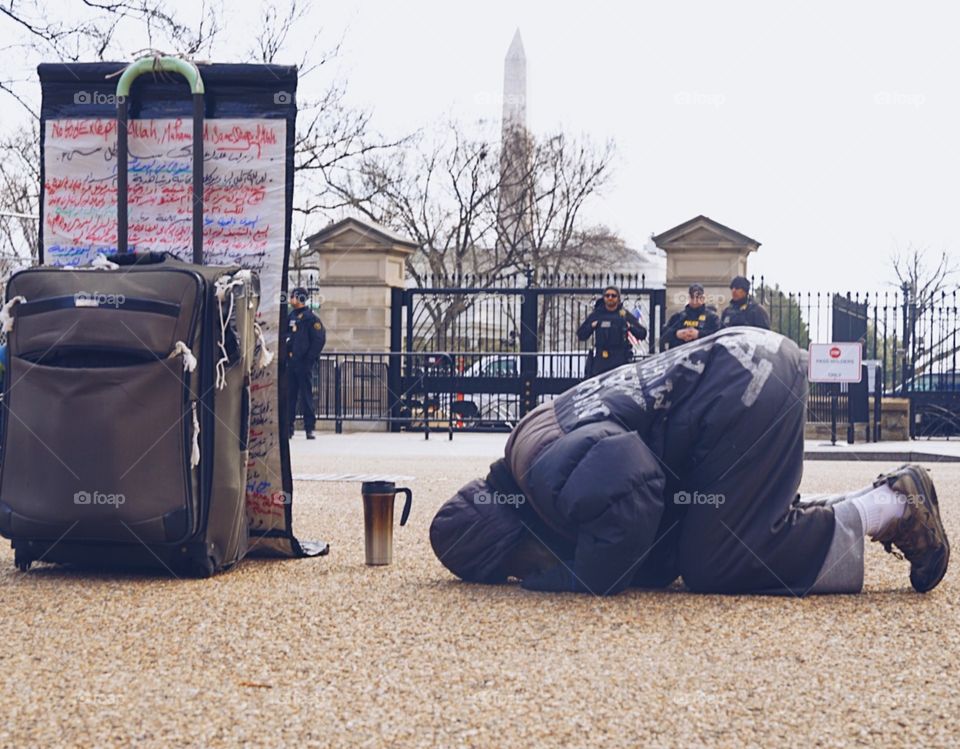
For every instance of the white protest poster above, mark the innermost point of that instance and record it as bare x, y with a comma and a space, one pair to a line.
244, 223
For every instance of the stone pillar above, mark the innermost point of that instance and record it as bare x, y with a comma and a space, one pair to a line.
359, 266
704, 251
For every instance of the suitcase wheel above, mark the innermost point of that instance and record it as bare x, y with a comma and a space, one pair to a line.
202, 567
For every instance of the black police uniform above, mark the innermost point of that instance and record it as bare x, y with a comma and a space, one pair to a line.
747, 313
306, 338
612, 349
702, 319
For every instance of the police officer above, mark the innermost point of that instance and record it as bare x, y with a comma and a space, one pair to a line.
742, 310
694, 321
306, 338
610, 323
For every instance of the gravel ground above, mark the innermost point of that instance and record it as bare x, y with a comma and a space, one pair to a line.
329, 652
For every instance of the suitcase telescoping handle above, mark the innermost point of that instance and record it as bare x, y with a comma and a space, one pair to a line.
189, 71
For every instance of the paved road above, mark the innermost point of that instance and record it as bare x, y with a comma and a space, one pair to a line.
328, 652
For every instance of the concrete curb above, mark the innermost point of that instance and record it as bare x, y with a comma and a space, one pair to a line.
887, 457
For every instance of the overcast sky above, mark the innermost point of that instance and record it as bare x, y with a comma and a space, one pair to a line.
827, 131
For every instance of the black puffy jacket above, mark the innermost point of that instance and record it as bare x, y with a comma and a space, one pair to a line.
591, 464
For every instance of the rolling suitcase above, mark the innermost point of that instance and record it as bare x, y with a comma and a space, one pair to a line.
127, 401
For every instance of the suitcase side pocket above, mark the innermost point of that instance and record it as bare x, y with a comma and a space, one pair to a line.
97, 453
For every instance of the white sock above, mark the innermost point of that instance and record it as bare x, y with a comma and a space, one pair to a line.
878, 507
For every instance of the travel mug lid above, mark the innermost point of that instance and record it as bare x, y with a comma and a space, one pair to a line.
378, 487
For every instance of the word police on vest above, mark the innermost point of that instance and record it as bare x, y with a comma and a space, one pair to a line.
98, 299
498, 498
698, 498
98, 498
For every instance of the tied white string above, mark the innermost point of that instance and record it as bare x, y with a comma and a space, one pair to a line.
6, 314
266, 355
222, 287
189, 360
195, 449
100, 262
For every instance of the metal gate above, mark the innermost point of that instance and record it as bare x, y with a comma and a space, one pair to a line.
505, 348
467, 353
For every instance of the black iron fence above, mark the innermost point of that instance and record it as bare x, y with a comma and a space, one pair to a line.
433, 392
514, 339
471, 353
911, 339
399, 390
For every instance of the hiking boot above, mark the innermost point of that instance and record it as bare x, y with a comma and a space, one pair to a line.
918, 533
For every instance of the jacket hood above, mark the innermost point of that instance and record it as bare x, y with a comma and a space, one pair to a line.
472, 534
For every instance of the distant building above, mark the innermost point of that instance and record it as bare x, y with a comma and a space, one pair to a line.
648, 261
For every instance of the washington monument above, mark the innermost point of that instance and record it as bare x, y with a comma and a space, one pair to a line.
516, 191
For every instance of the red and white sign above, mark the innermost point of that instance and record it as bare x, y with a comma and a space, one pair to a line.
835, 362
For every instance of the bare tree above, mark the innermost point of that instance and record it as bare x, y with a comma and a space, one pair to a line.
441, 192
19, 199
275, 26
930, 288
96, 28
567, 173
925, 279
332, 139
482, 211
